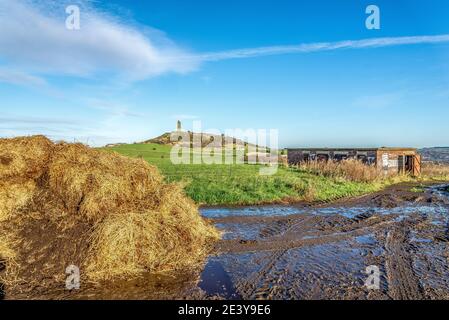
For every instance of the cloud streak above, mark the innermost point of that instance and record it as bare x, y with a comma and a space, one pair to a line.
322, 46
34, 37
20, 78
34, 120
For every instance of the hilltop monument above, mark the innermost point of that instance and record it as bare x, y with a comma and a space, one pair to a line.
178, 126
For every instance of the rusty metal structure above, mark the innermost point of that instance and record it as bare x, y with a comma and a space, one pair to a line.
395, 160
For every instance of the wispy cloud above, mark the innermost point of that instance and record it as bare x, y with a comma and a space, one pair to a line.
96, 132
112, 108
322, 46
34, 120
20, 78
33, 37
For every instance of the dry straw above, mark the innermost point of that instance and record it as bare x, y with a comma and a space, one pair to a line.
350, 170
132, 221
437, 171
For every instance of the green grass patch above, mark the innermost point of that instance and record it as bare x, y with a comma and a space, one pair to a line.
241, 184
417, 189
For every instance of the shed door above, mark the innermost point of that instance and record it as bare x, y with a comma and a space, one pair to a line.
401, 164
417, 165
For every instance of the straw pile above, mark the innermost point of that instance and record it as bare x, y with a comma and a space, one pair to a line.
114, 217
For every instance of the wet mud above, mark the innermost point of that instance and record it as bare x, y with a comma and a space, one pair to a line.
311, 252
322, 252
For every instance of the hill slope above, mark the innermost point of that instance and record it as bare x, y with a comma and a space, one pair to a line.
206, 138
437, 154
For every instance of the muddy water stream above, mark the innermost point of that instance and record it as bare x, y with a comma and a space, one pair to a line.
322, 252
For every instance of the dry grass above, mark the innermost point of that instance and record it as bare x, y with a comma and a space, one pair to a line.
349, 170
8, 257
24, 158
435, 171
93, 183
14, 196
178, 236
132, 221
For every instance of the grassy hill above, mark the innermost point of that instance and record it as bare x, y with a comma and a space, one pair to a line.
206, 138
437, 154
241, 183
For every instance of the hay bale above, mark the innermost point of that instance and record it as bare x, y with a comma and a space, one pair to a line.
125, 245
24, 157
70, 197
95, 183
170, 236
14, 197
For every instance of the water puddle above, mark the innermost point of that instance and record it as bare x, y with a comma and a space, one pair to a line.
368, 239
215, 281
348, 212
262, 211
243, 231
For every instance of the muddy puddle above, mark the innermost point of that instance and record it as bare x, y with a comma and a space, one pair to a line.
323, 252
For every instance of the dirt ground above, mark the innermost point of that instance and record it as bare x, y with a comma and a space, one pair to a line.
323, 251
309, 252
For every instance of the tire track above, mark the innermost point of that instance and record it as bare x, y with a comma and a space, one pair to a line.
403, 284
286, 242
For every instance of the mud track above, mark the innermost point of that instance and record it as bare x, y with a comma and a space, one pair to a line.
402, 281
315, 255
309, 231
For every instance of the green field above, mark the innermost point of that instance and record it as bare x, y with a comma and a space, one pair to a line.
241, 184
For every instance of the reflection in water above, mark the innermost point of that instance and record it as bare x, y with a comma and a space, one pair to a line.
348, 212
215, 281
262, 211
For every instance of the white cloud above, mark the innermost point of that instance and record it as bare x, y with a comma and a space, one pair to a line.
20, 78
322, 46
113, 108
35, 38
26, 120
112, 127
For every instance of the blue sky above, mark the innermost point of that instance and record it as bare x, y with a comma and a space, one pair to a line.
135, 67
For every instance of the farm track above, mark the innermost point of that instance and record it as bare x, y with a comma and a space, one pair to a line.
272, 279
402, 281
308, 231
291, 268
